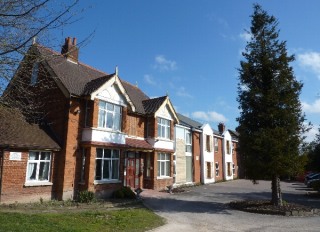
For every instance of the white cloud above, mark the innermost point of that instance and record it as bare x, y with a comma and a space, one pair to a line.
311, 134
246, 36
182, 92
310, 60
149, 79
311, 108
163, 64
210, 116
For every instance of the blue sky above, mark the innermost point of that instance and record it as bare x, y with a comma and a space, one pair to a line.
191, 50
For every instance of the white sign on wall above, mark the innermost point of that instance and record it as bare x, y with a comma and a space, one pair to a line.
15, 156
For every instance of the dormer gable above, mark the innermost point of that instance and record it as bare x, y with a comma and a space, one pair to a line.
165, 110
113, 91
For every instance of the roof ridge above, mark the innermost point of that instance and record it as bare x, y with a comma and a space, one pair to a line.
79, 62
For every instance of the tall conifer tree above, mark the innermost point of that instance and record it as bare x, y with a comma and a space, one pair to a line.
271, 120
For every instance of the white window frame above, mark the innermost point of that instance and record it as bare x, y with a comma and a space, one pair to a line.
228, 147
164, 128
217, 169
188, 141
111, 160
36, 169
163, 160
233, 169
216, 144
103, 115
209, 143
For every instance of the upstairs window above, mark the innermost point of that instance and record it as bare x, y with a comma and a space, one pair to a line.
38, 166
216, 145
188, 142
109, 116
163, 128
228, 147
34, 74
209, 143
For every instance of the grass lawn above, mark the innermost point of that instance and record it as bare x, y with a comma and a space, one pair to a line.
85, 217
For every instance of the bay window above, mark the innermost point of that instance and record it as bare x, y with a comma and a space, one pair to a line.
163, 128
107, 164
109, 116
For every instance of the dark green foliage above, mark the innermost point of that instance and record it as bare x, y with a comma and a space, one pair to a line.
314, 155
124, 192
271, 121
86, 196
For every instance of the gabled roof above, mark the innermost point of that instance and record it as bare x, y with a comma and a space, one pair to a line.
82, 80
153, 104
16, 132
234, 134
93, 85
73, 76
188, 122
136, 96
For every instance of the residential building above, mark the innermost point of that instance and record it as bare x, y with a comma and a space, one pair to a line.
187, 151
111, 134
27, 157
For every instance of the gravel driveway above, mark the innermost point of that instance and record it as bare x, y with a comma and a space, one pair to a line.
204, 208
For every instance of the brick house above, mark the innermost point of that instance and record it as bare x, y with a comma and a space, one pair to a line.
27, 157
111, 134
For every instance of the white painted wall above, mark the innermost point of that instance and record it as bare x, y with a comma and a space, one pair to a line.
103, 135
227, 157
206, 156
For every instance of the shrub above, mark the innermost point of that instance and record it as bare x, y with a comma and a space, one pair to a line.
86, 196
124, 192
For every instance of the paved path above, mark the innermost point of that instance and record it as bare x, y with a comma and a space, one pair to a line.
204, 208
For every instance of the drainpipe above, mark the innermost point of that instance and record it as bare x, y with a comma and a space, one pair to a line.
1, 170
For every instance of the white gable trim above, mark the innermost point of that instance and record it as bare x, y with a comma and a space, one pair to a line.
113, 80
173, 112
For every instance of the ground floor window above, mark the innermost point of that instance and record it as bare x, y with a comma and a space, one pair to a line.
209, 170
229, 169
163, 165
217, 169
39, 163
233, 169
107, 164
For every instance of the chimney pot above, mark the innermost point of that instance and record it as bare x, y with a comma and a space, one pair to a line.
221, 127
70, 50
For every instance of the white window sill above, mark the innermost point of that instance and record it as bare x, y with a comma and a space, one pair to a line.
164, 139
164, 177
106, 182
38, 183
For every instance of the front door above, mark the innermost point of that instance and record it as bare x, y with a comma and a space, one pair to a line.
133, 170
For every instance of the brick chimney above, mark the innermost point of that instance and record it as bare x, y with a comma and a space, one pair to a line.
70, 49
221, 127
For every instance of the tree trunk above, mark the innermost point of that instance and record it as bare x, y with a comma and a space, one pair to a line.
276, 191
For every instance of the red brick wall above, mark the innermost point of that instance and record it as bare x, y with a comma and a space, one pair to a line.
135, 125
14, 179
196, 157
160, 184
219, 158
